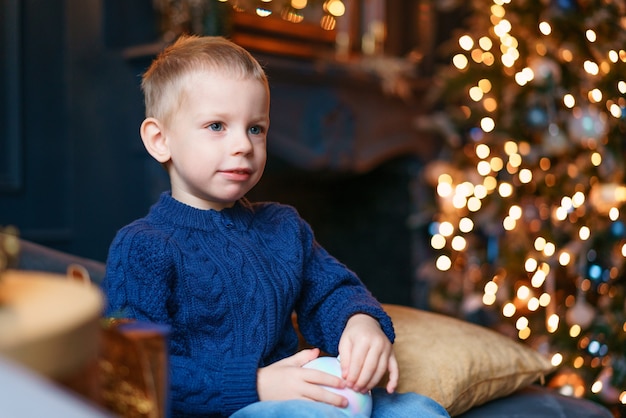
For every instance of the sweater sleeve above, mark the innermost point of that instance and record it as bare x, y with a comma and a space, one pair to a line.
141, 268
332, 294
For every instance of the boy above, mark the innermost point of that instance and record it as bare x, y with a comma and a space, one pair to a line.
226, 274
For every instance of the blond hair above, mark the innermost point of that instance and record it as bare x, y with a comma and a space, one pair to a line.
163, 84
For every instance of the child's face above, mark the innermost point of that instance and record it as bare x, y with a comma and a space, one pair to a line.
217, 140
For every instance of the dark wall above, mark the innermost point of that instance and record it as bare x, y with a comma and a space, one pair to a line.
83, 168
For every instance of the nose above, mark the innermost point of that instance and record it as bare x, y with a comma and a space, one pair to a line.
241, 143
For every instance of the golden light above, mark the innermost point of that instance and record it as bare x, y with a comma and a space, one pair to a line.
525, 176
485, 43
508, 310
566, 202
509, 223
466, 225
521, 323
614, 214
574, 331
545, 28
564, 258
446, 228
505, 190
540, 243
466, 42
584, 233
490, 183
496, 164
465, 189
578, 199
569, 101
591, 35
549, 249
596, 387
476, 93
460, 61
458, 243
474, 204
556, 359
508, 59
613, 56
538, 279
523, 334
552, 323
263, 12
525, 76
485, 85
510, 148
483, 168
487, 124
444, 189
523, 292
482, 151
480, 191
299, 4
533, 304
591, 67
596, 159
515, 160
491, 287
438, 241
544, 299
502, 28
578, 362
490, 104
515, 212
621, 86
459, 201
497, 10
443, 263
489, 299
445, 178
336, 8
595, 95
615, 110
560, 213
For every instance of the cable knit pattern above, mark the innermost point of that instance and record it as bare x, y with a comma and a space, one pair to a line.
227, 282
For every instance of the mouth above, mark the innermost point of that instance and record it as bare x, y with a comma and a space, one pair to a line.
239, 171
237, 174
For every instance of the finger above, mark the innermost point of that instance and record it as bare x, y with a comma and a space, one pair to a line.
321, 378
378, 375
354, 365
368, 371
345, 348
394, 374
320, 394
302, 357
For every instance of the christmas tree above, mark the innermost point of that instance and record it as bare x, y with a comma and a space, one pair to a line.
529, 225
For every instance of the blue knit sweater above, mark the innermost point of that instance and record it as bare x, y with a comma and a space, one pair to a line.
227, 282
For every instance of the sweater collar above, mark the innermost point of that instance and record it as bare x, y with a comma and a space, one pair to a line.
170, 210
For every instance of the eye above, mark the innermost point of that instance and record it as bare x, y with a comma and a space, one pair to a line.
216, 126
256, 130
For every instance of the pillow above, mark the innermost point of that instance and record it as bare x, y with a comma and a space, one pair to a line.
459, 364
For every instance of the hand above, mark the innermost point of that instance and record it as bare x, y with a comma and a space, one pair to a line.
366, 355
287, 379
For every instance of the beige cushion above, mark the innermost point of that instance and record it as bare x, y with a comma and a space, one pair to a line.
458, 364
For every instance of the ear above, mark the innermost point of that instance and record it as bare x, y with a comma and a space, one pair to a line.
154, 140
